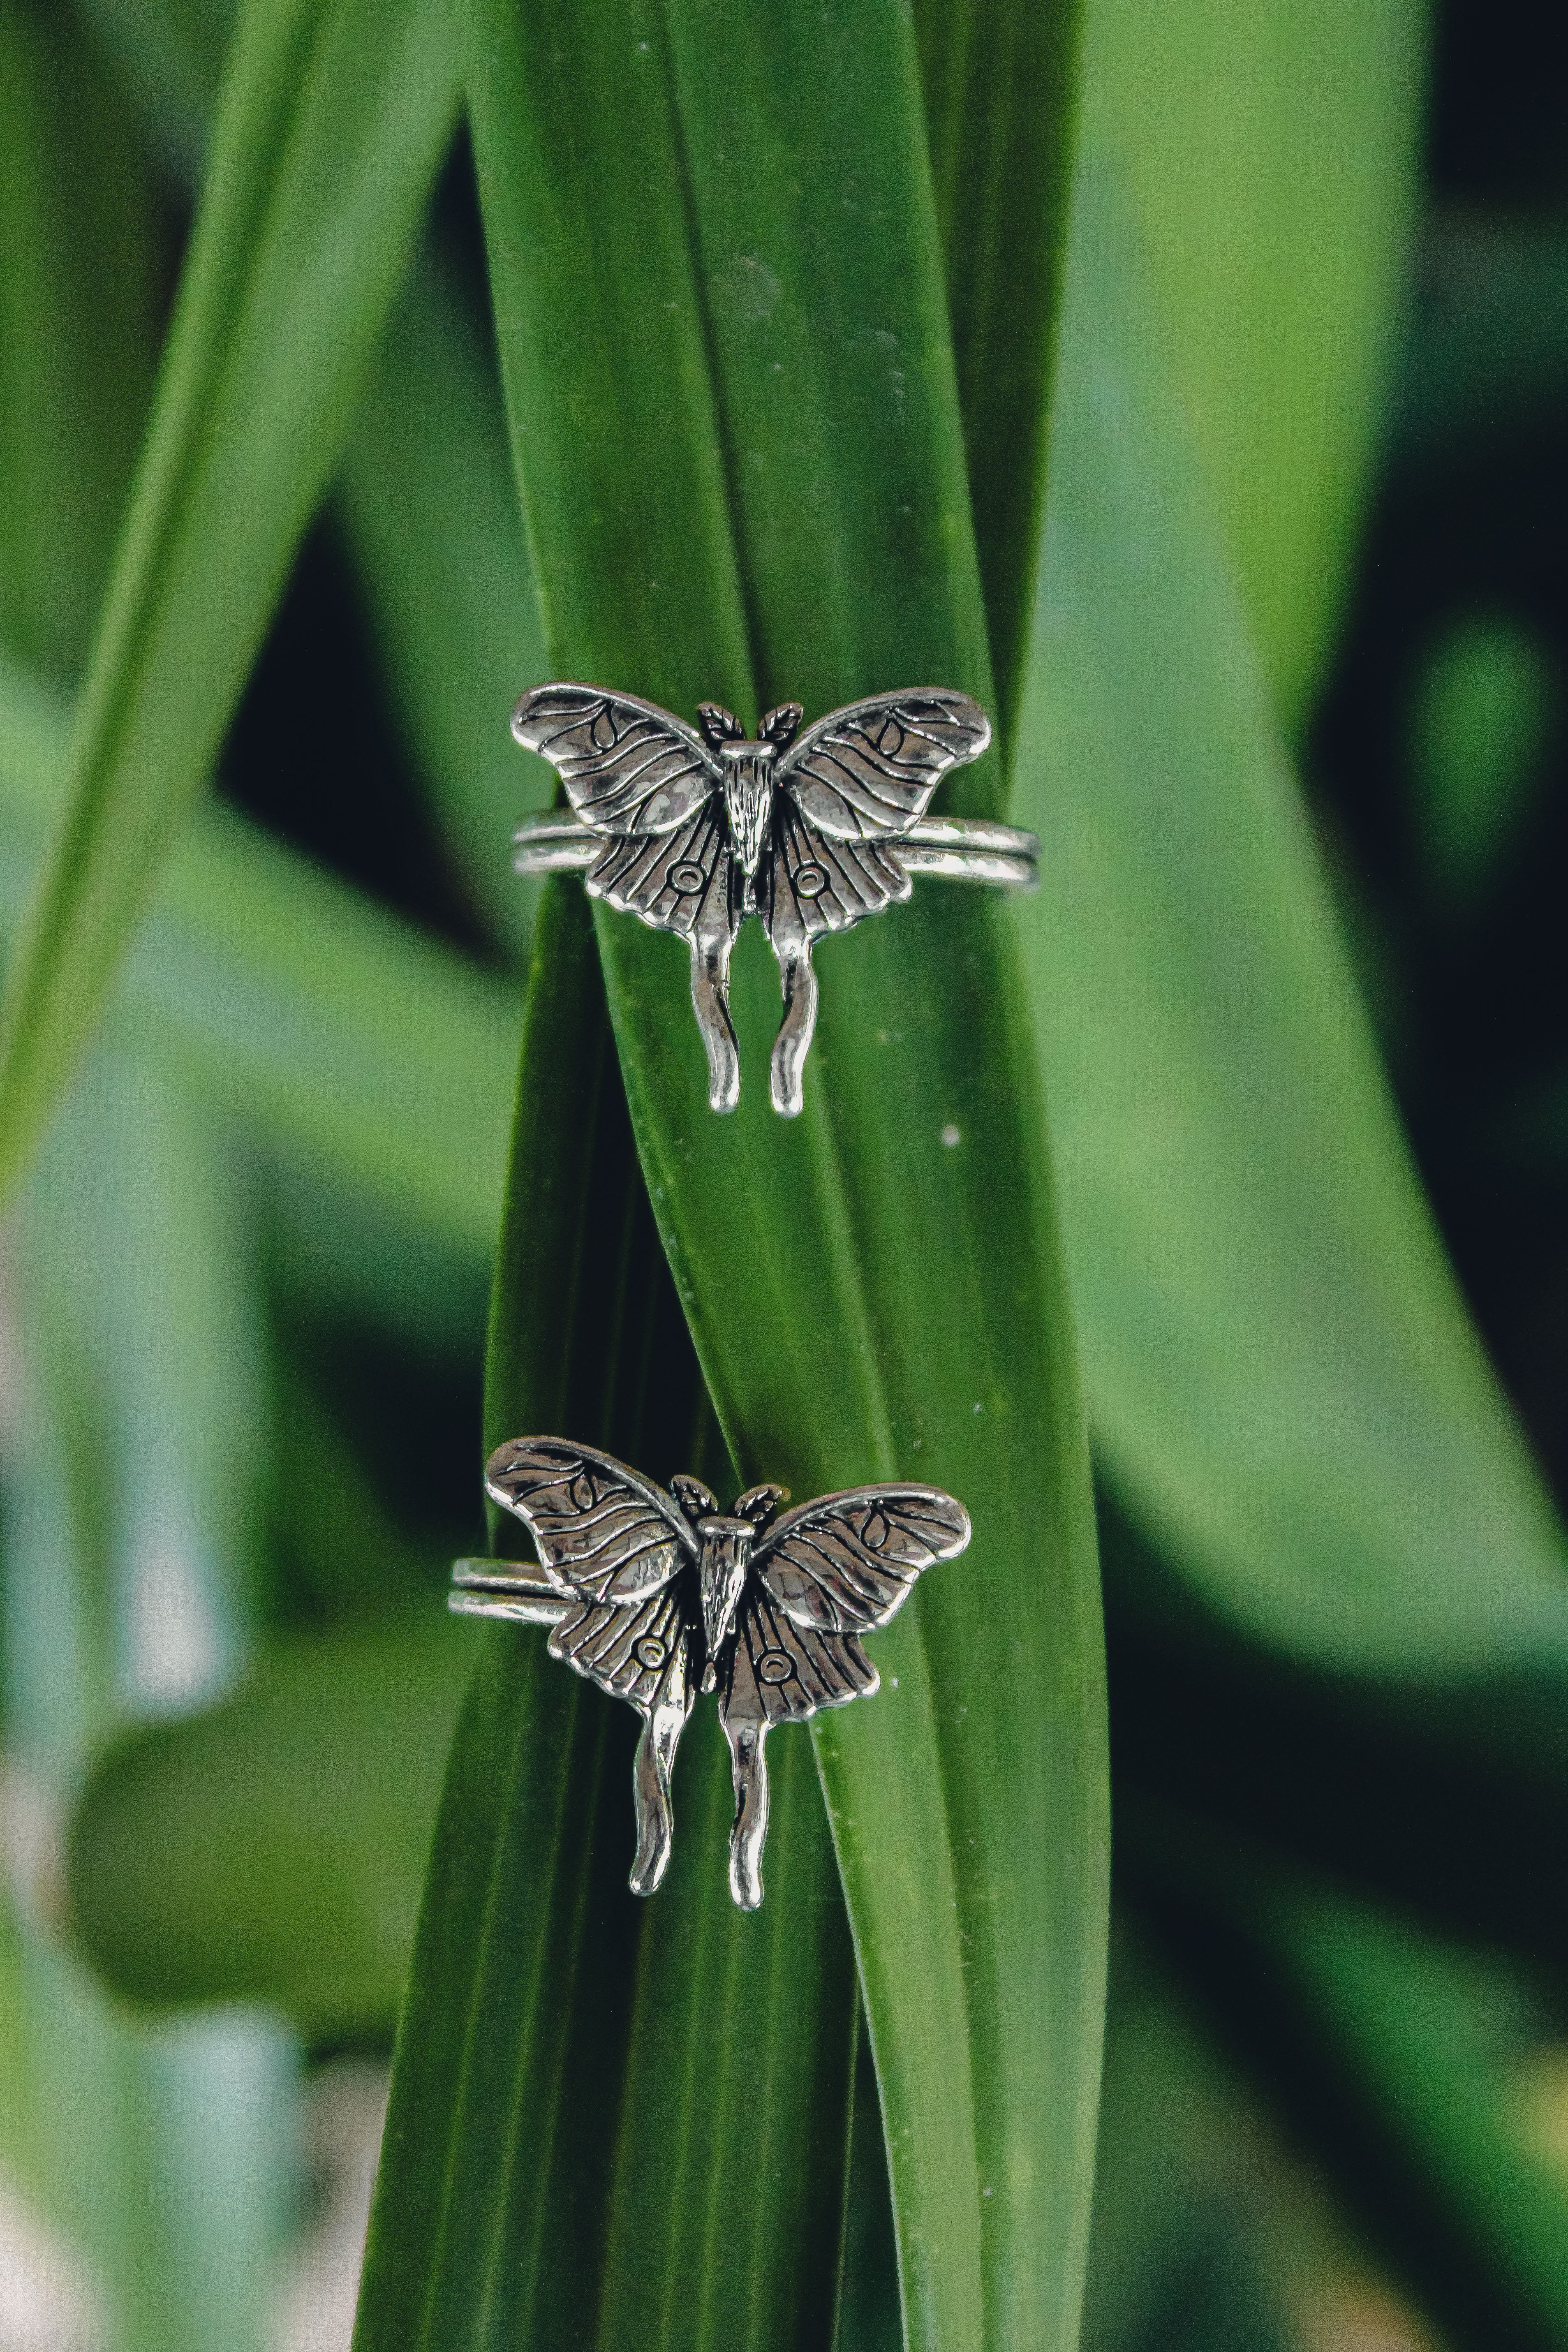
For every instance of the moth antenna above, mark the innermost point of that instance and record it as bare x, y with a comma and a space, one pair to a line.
780, 725
693, 1497
719, 725
758, 1503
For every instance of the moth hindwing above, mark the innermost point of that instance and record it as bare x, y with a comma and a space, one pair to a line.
702, 827
658, 1595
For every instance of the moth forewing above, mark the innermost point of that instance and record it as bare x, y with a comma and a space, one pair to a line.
847, 1562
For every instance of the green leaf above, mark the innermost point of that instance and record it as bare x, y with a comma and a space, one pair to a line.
128, 1484
1001, 82
1282, 1378
866, 1298
433, 525
1272, 157
173, 52
333, 117
358, 1047
1437, 2065
611, 2121
273, 1848
78, 271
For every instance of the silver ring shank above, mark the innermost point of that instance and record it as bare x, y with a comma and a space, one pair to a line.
485, 1590
952, 848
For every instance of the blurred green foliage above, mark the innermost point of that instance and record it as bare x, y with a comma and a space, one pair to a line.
1302, 487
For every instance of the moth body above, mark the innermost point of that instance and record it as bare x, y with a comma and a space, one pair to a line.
722, 1568
749, 800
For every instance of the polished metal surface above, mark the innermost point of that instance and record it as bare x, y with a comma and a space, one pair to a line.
656, 1595
810, 831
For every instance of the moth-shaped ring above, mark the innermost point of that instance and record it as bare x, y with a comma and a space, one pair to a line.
813, 832
656, 1595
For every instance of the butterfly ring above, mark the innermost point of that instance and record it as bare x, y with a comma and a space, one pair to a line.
656, 1595
811, 831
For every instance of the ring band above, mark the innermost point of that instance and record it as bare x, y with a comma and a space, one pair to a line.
495, 1588
952, 848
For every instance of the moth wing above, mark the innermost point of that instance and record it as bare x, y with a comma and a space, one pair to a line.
671, 879
866, 772
629, 768
640, 1650
819, 882
780, 1671
603, 1532
847, 1562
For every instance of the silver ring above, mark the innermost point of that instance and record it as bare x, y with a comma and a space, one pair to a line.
656, 1595
952, 848
692, 829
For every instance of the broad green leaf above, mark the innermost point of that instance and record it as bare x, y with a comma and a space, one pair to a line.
865, 1298
433, 525
1000, 79
612, 2121
1271, 149
359, 1048
333, 117
1280, 1375
273, 1847
78, 270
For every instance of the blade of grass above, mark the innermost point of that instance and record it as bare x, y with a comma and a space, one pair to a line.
433, 525
611, 2122
1272, 157
78, 270
426, 503
1281, 1377
356, 1046
1001, 86
865, 1298
333, 117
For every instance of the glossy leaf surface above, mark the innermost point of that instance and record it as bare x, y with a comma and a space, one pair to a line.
865, 1298
1271, 155
333, 118
1279, 1371
1000, 79
612, 2121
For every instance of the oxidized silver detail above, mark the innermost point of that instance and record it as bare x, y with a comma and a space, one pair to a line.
693, 832
656, 1595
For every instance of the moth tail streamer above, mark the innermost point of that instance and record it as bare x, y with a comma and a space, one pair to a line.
651, 1770
710, 1003
751, 1829
793, 1043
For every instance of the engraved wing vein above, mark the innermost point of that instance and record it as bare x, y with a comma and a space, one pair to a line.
849, 1561
600, 1530
867, 771
628, 767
